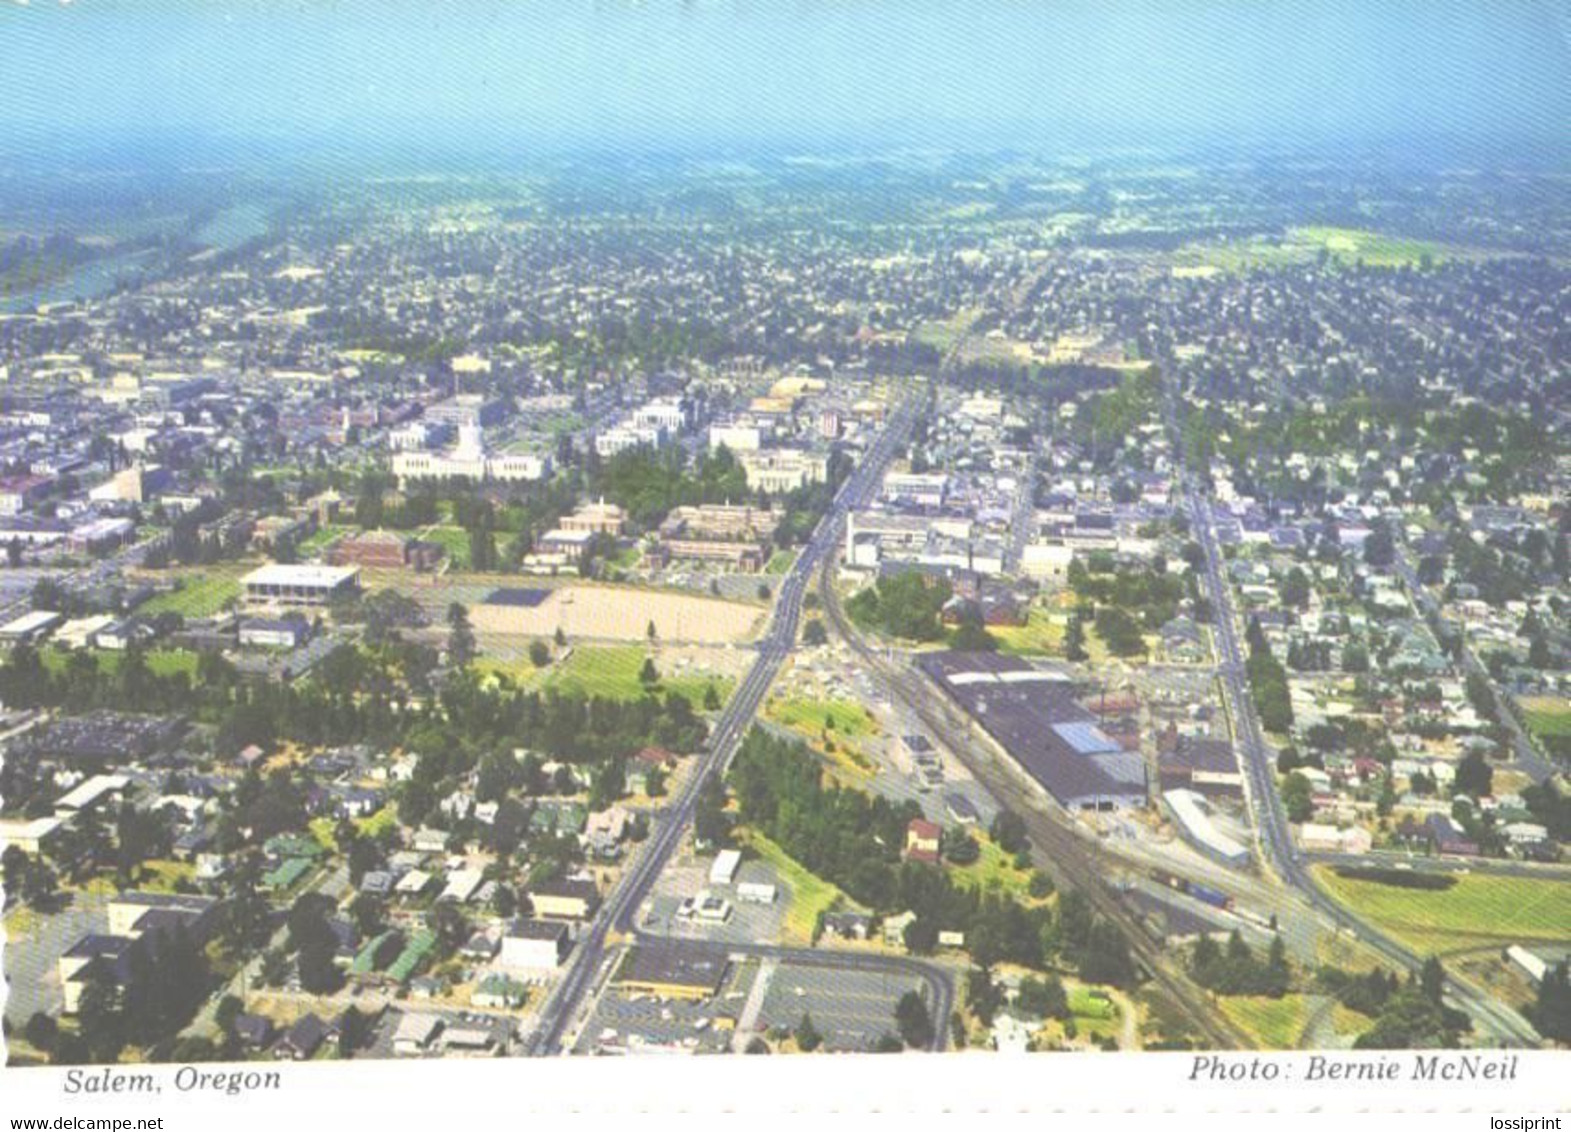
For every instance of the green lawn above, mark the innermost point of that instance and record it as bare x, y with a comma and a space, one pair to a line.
1374, 248
161, 662
780, 562
1039, 636
810, 894
1275, 1023
1085, 1003
520, 670
310, 547
1478, 911
612, 671
1546, 716
198, 595
812, 717
454, 540
994, 871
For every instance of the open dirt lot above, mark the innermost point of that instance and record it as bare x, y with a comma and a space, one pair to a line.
612, 613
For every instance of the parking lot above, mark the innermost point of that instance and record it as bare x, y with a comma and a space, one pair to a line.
624, 1023
31, 957
851, 1009
748, 923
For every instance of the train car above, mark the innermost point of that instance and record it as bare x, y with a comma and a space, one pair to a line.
1215, 897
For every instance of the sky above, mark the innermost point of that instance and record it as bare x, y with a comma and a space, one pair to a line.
680, 74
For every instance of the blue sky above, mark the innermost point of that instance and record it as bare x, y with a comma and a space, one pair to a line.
876, 73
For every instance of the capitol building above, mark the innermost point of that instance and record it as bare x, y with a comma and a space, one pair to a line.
469, 459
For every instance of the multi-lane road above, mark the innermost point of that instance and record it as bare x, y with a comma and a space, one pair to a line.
633, 887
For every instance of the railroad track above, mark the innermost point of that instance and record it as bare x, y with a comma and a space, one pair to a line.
1078, 863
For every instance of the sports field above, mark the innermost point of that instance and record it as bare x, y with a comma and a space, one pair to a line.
1479, 911
619, 613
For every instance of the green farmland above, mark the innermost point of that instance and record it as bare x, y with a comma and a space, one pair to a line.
1477, 912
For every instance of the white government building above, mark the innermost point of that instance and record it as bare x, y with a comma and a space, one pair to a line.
468, 458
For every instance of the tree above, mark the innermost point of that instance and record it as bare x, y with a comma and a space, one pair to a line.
807, 1037
1432, 979
1119, 631
1474, 777
311, 935
711, 697
649, 675
1009, 830
1298, 797
971, 635
911, 1016
650, 632
961, 849
813, 632
460, 637
539, 653
41, 1031
560, 637
1075, 640
1552, 1012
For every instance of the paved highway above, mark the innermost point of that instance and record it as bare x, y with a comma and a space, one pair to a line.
636, 881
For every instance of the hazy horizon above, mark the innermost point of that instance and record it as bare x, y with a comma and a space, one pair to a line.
408, 78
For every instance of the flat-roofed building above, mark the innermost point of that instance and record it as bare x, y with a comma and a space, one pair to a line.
299, 585
670, 969
31, 835
567, 899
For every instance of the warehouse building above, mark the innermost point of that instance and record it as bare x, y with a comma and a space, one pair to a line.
672, 970
1035, 716
1193, 817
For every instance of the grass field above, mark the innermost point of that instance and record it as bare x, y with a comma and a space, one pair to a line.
812, 717
780, 562
995, 871
1039, 636
1084, 1002
520, 670
1303, 245
161, 662
942, 334
199, 595
319, 540
1275, 1023
454, 540
612, 672
163, 876
1477, 912
810, 894
1546, 716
